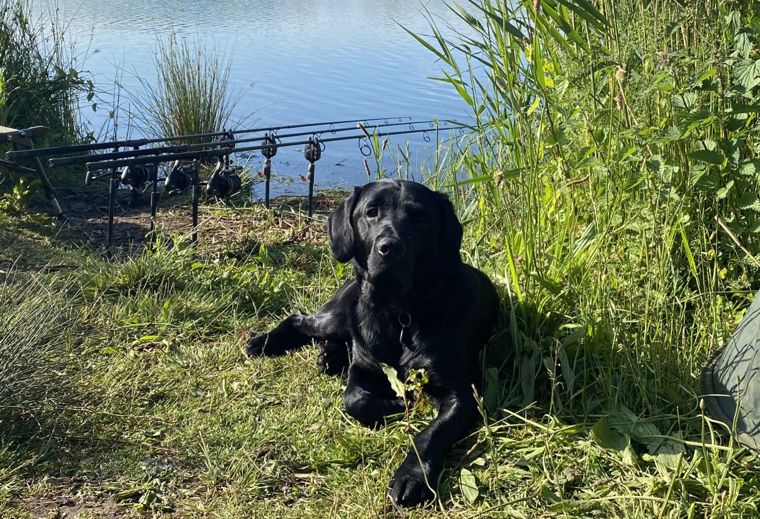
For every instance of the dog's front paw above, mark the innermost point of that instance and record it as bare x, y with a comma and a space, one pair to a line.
411, 485
257, 345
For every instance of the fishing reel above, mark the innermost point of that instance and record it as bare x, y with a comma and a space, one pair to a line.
312, 152
180, 177
136, 176
224, 181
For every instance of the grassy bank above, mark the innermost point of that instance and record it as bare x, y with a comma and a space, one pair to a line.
611, 195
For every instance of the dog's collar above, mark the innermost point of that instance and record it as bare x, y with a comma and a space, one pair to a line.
404, 319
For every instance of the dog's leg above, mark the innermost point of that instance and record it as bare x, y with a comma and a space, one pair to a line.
417, 476
295, 331
368, 397
330, 323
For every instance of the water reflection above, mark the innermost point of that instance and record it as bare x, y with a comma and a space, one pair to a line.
296, 60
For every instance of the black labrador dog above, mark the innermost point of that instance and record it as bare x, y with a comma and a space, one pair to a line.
412, 305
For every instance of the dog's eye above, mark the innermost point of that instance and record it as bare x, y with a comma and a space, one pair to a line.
372, 212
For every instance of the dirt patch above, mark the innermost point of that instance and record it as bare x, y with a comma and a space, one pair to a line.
219, 224
63, 501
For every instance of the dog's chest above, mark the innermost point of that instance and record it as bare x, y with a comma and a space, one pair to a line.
393, 337
397, 343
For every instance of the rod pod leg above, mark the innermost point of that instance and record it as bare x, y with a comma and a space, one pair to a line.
196, 196
112, 182
267, 177
154, 196
312, 167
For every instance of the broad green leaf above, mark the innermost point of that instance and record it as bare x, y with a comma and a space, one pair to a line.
608, 438
392, 375
747, 75
549, 495
709, 156
708, 73
742, 45
668, 457
629, 456
685, 100
640, 430
750, 168
750, 202
468, 485
745, 108
723, 192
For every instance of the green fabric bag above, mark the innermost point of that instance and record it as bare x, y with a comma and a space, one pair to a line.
732, 379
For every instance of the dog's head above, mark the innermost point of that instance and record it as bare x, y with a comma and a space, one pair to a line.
398, 233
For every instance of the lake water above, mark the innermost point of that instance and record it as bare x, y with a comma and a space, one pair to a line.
295, 61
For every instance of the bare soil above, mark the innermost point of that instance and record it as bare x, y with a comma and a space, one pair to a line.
219, 223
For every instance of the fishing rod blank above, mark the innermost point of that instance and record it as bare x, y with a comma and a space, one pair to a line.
63, 150
189, 155
221, 145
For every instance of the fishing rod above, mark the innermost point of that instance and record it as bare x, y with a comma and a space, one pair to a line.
131, 143
97, 165
183, 175
222, 145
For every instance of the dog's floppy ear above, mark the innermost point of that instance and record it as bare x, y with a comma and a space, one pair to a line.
451, 231
340, 228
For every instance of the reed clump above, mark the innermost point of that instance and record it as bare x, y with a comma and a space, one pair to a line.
192, 93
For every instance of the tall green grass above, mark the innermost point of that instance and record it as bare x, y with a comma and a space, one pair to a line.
612, 191
612, 142
36, 372
192, 93
41, 84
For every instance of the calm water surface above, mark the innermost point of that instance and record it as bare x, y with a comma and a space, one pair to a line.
294, 60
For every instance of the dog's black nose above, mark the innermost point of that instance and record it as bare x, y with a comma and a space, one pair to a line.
389, 246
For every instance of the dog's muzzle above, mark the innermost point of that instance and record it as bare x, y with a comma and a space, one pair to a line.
389, 264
